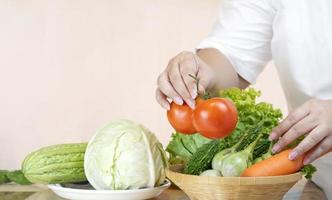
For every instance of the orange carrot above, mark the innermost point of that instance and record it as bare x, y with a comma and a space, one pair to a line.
276, 165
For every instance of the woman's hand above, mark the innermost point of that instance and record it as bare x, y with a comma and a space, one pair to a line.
176, 84
313, 119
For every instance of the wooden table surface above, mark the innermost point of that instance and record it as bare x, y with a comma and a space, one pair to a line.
303, 190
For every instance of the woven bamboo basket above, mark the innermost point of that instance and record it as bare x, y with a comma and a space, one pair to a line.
232, 188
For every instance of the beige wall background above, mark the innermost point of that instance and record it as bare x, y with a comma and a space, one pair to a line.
69, 67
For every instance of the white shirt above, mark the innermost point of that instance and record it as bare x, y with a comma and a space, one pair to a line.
296, 35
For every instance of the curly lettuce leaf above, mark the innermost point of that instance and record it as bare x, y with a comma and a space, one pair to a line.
308, 171
251, 112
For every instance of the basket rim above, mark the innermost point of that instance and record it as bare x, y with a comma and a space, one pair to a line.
172, 172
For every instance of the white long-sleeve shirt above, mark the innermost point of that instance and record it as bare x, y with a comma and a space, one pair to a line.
296, 35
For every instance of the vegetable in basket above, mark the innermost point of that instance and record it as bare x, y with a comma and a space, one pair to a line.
211, 172
239, 154
202, 158
219, 158
249, 114
182, 147
205, 157
276, 165
235, 163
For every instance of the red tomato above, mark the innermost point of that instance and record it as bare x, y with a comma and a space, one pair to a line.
215, 118
180, 117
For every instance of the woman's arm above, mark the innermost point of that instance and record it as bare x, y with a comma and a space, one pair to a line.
226, 76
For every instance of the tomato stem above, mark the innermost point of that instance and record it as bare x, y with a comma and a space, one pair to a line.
206, 95
196, 80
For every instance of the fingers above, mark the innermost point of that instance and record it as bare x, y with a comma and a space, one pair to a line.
322, 148
289, 121
312, 119
179, 85
311, 140
162, 99
189, 67
176, 84
167, 89
300, 128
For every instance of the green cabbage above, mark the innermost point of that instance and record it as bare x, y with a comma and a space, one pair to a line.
124, 155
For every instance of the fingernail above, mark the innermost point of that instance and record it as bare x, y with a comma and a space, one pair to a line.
178, 100
275, 148
167, 107
194, 94
272, 136
306, 161
191, 104
292, 155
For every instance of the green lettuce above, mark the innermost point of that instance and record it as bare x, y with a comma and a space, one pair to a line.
182, 147
251, 112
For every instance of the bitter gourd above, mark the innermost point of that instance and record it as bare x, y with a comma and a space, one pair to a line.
202, 158
62, 163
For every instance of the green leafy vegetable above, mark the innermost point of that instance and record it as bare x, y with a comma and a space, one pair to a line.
18, 177
182, 147
308, 171
202, 158
3, 177
250, 113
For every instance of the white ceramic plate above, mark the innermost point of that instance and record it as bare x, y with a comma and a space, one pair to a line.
86, 192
